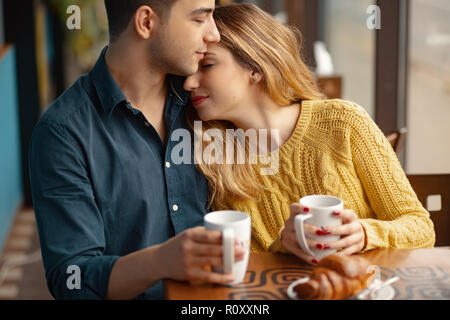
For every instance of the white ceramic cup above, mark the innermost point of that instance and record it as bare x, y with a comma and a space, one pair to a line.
232, 224
321, 216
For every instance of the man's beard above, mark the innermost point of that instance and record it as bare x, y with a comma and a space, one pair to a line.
163, 58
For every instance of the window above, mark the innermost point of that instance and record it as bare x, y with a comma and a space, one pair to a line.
428, 107
343, 29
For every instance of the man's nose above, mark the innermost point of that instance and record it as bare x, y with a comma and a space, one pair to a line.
191, 82
212, 34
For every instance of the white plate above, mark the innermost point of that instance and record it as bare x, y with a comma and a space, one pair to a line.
386, 293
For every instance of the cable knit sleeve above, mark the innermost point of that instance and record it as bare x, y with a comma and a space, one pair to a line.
402, 221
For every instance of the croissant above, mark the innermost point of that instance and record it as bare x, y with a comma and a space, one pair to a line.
336, 277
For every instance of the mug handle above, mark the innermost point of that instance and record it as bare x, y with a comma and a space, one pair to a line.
300, 232
228, 250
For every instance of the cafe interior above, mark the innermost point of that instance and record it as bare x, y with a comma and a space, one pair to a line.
392, 57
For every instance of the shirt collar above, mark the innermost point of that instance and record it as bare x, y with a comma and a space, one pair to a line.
111, 95
108, 90
176, 88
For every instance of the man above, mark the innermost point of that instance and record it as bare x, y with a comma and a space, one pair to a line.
111, 207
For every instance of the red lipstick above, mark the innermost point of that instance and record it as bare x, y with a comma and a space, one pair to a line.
198, 100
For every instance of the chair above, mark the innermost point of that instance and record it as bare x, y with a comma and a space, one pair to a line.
331, 86
397, 139
437, 184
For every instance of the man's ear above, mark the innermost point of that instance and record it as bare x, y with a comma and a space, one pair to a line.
145, 20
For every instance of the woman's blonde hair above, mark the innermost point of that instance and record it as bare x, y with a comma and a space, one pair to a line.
260, 43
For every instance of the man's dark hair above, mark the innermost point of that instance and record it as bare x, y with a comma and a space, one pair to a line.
120, 12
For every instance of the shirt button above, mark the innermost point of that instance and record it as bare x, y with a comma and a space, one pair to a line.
167, 164
175, 207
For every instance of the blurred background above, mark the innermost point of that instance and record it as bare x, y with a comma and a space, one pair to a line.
400, 73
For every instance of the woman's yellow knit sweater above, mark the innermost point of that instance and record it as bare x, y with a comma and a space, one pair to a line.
337, 149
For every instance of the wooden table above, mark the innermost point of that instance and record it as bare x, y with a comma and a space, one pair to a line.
424, 274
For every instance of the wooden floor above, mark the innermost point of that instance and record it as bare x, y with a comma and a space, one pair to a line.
25, 282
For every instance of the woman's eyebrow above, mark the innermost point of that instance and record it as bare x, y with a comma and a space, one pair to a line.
209, 54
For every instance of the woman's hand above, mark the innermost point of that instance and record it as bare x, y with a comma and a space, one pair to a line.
187, 256
289, 237
351, 231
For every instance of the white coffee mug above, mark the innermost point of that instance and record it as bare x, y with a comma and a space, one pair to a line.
232, 224
321, 215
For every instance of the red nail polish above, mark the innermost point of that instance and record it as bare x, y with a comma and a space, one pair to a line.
319, 246
314, 261
336, 213
326, 247
319, 232
305, 209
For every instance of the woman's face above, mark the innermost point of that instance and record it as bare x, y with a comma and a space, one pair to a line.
220, 88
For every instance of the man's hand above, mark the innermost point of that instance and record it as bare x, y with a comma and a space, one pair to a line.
187, 256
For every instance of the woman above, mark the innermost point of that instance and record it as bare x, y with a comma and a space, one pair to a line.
255, 79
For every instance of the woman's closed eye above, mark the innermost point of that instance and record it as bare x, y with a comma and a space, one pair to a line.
208, 65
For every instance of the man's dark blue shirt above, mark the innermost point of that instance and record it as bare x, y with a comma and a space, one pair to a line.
104, 184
